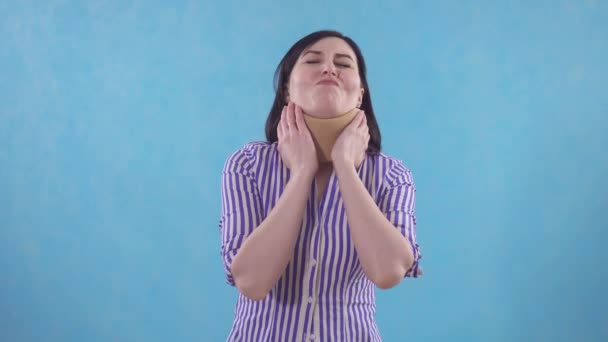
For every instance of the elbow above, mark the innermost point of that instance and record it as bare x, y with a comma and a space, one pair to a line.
387, 280
247, 283
391, 276
253, 294
250, 289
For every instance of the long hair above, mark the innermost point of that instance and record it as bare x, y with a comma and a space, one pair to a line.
283, 72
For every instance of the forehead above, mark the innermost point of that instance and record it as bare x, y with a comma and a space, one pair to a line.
331, 46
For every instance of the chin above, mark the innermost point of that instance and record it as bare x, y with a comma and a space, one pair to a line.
326, 111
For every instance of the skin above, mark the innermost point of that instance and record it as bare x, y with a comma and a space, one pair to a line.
384, 254
328, 59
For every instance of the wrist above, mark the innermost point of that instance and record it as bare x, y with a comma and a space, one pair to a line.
303, 173
342, 166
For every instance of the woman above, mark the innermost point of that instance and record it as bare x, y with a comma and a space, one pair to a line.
316, 217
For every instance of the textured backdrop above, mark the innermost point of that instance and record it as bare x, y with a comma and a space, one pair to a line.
116, 118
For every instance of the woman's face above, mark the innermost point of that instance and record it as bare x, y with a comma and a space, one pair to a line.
325, 79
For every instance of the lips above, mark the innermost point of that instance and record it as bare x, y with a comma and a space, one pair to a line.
329, 82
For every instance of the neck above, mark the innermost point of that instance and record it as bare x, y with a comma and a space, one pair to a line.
325, 131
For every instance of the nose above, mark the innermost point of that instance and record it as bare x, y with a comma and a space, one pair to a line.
329, 68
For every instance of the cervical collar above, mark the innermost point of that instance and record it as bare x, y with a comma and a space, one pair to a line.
325, 132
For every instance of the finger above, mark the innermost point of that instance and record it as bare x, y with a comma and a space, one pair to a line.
300, 119
363, 119
356, 124
291, 121
283, 122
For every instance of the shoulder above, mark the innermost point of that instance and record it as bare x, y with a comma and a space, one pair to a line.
251, 153
393, 170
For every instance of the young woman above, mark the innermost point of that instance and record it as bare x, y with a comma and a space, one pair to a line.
317, 216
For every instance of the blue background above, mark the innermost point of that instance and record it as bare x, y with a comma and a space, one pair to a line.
116, 118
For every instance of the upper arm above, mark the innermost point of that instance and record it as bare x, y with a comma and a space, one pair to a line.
397, 202
241, 206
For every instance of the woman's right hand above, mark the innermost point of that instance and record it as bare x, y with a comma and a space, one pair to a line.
295, 144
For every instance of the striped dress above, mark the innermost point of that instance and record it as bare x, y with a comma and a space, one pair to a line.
323, 295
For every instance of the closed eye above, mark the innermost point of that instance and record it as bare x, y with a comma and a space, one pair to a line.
341, 65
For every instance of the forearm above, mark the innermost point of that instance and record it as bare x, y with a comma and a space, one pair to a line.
385, 255
265, 253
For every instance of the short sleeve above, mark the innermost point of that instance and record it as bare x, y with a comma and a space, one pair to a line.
241, 205
397, 202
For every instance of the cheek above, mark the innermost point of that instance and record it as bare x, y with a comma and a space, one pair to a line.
351, 78
301, 76
298, 83
352, 84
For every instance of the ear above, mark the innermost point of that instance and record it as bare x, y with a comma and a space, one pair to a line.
360, 100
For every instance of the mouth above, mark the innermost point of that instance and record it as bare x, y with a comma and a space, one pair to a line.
329, 82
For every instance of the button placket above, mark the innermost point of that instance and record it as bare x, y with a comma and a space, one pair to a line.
316, 243
314, 279
314, 270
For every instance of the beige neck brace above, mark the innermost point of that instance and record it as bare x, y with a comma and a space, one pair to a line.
325, 132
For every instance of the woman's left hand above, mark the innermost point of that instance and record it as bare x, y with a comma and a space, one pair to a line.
349, 149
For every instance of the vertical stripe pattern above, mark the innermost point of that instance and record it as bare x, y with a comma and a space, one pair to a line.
323, 295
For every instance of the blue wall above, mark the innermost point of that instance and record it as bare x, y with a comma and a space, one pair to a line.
115, 121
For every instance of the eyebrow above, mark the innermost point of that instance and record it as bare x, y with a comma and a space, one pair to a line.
339, 55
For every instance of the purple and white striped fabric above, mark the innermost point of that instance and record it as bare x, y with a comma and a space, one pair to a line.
323, 294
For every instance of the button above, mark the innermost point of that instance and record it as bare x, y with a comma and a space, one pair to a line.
311, 337
313, 262
310, 300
